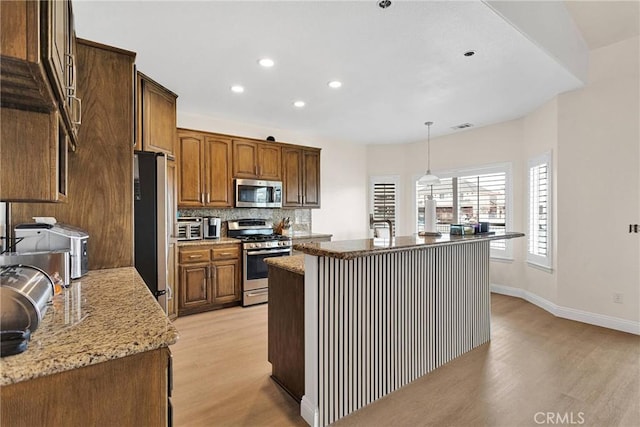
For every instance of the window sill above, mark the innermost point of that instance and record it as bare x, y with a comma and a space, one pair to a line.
541, 267
504, 259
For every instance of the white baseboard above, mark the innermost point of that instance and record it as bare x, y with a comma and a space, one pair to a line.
570, 313
309, 412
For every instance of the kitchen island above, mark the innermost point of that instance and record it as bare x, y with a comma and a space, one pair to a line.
380, 313
99, 357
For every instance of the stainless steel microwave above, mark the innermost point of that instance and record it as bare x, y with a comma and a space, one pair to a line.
252, 193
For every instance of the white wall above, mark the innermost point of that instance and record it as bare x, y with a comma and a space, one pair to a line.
598, 191
500, 143
343, 172
594, 136
540, 136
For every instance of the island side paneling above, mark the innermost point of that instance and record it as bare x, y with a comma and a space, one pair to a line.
377, 322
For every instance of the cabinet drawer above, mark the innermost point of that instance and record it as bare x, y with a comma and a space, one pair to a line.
193, 255
227, 252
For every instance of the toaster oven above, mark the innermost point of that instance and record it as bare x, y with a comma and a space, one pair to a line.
189, 228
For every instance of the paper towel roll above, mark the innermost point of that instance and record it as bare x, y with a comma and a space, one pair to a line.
430, 216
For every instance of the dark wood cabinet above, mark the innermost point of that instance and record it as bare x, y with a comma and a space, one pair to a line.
209, 277
39, 99
301, 177
34, 145
256, 160
38, 63
204, 170
70, 397
156, 116
100, 171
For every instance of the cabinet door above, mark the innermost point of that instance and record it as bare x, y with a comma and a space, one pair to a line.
57, 30
269, 162
190, 185
226, 281
311, 184
291, 177
194, 286
245, 159
158, 113
218, 182
33, 164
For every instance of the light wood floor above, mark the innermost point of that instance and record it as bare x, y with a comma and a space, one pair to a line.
535, 364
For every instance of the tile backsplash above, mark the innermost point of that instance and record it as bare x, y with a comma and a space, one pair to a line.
300, 218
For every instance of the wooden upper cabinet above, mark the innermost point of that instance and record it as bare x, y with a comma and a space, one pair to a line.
245, 159
190, 182
217, 167
291, 177
301, 177
38, 64
34, 160
257, 160
156, 116
204, 170
269, 162
311, 182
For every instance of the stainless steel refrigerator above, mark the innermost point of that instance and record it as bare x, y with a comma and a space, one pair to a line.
154, 213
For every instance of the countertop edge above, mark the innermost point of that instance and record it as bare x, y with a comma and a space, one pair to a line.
325, 250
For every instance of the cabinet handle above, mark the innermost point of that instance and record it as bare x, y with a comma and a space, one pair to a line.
71, 65
202, 198
195, 256
77, 119
225, 254
255, 169
298, 199
208, 197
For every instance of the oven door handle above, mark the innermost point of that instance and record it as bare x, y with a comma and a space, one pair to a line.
268, 251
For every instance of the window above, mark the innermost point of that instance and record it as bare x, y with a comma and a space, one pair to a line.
539, 236
384, 200
481, 194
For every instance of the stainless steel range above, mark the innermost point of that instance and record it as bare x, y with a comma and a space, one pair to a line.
258, 243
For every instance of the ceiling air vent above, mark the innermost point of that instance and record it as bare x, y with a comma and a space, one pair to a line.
462, 126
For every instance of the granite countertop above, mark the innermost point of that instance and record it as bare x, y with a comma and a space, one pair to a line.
220, 241
105, 315
349, 249
293, 263
308, 235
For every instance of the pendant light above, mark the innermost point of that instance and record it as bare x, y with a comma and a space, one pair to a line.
429, 178
430, 205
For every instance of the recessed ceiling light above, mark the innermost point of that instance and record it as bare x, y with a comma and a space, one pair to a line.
237, 89
335, 84
470, 53
266, 62
299, 104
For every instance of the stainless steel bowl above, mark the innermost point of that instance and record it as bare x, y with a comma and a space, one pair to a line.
25, 292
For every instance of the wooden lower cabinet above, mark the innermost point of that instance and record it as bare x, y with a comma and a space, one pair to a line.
129, 391
209, 278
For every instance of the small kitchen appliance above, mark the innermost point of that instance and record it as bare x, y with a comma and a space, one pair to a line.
189, 228
251, 193
258, 243
212, 227
25, 292
37, 237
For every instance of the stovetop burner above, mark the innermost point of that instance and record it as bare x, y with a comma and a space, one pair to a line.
257, 234
263, 238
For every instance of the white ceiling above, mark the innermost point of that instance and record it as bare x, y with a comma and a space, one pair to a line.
400, 66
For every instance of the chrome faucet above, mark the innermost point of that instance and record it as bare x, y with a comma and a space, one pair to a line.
372, 222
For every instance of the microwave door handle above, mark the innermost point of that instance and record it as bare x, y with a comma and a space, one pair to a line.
265, 252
